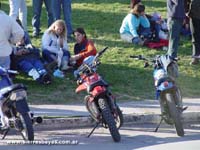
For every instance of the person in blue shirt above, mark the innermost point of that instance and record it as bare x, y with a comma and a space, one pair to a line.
135, 25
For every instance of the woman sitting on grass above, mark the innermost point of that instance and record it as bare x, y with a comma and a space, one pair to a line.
83, 47
55, 47
135, 26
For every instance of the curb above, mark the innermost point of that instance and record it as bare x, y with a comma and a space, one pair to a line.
80, 122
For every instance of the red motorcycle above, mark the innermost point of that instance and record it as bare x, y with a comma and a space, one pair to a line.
100, 102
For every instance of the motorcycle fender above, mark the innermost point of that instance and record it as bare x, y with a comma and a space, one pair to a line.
81, 87
98, 90
163, 86
22, 106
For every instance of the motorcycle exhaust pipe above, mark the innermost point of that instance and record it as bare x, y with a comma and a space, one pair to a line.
37, 120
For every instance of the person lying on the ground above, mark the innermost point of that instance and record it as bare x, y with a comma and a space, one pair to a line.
26, 58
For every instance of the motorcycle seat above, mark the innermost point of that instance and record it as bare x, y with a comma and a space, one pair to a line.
98, 83
8, 89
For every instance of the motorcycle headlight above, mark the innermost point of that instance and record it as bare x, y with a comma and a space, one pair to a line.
18, 95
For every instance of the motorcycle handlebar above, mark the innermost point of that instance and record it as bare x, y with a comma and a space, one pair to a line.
101, 52
3, 70
12, 72
139, 57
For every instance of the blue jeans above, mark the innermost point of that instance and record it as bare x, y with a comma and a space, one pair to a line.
37, 8
66, 5
175, 27
31, 63
50, 57
145, 32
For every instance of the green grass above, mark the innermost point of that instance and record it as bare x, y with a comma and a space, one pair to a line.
128, 79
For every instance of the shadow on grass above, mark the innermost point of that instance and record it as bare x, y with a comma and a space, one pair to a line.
127, 80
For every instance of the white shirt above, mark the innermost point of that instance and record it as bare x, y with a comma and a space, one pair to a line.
10, 32
50, 42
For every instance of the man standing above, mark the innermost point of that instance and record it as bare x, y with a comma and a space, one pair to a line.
175, 15
37, 8
66, 6
10, 32
193, 7
18, 9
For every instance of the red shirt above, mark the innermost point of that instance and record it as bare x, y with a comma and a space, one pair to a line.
85, 49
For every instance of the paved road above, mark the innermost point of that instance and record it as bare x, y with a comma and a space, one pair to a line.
134, 137
134, 111
130, 107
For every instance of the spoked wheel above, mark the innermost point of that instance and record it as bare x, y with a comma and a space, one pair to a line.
175, 114
27, 131
92, 109
109, 119
119, 119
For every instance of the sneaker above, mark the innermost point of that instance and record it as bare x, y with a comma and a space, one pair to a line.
58, 73
45, 79
35, 34
196, 57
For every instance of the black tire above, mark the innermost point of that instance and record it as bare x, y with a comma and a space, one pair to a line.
109, 119
119, 119
27, 132
175, 114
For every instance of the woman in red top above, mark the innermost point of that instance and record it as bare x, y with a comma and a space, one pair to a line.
83, 47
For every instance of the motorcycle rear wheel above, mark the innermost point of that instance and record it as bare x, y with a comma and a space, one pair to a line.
27, 131
109, 119
175, 114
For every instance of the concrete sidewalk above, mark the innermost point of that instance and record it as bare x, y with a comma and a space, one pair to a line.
71, 116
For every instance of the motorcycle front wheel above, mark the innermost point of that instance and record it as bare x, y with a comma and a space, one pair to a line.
175, 114
27, 132
119, 119
109, 119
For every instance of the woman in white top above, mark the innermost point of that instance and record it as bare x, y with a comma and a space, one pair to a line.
54, 45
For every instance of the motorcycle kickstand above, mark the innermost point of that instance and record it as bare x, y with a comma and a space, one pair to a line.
97, 124
5, 133
22, 136
158, 125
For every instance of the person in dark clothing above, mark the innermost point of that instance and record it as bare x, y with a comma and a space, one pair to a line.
175, 15
37, 9
192, 10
